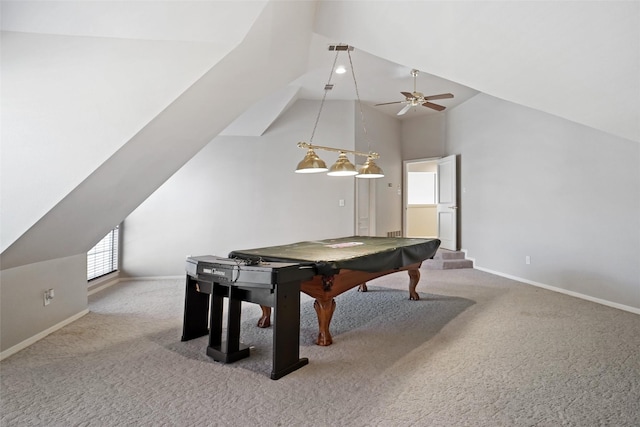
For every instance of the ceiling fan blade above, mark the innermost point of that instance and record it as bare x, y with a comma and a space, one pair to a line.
408, 95
387, 103
441, 96
404, 110
434, 106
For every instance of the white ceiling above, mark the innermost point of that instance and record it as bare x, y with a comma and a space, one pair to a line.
576, 60
378, 80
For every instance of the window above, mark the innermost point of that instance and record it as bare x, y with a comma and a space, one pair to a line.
422, 188
103, 258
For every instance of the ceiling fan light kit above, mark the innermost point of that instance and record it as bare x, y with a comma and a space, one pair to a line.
415, 98
342, 167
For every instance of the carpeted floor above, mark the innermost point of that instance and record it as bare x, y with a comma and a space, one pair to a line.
476, 350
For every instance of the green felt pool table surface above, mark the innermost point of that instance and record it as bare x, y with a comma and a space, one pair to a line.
344, 263
362, 253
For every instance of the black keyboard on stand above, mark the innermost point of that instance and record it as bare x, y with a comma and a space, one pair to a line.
210, 279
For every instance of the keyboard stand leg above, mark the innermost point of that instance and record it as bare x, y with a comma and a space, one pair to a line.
232, 349
286, 331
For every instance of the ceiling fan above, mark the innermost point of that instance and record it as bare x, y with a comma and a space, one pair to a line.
413, 99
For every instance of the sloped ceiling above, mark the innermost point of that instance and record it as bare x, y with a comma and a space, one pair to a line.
577, 60
378, 80
102, 197
224, 22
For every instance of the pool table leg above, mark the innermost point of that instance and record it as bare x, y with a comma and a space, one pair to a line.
414, 278
324, 310
265, 320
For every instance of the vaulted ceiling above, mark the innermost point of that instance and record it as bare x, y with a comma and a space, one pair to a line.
578, 60
127, 92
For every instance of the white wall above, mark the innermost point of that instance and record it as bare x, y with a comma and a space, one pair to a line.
384, 138
91, 126
423, 137
79, 98
566, 195
24, 314
160, 146
242, 192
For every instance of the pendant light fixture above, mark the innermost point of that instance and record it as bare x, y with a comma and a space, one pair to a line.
342, 167
370, 169
311, 163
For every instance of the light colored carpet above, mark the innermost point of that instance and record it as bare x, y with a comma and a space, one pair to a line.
476, 350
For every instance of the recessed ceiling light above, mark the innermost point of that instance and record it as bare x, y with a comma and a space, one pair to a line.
341, 69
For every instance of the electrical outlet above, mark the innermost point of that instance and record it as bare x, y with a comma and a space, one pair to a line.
48, 296
527, 260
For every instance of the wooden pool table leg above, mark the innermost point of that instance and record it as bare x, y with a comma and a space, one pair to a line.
324, 310
414, 278
265, 320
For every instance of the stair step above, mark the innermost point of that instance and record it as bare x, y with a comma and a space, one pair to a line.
445, 259
447, 264
446, 254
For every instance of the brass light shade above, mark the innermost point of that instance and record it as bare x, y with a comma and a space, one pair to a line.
311, 163
342, 167
370, 170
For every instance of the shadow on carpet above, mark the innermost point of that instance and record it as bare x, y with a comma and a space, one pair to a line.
382, 320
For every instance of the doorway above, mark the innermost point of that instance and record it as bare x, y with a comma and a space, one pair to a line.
431, 200
420, 217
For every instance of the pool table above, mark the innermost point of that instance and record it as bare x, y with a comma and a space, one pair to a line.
342, 264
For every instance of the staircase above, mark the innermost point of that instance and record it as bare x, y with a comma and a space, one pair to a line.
447, 260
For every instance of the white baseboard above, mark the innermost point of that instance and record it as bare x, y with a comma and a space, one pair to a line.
90, 291
26, 343
105, 285
556, 289
128, 279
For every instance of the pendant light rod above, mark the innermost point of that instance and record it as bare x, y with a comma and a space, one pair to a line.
355, 84
327, 88
307, 145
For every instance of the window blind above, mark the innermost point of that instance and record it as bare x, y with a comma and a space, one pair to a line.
103, 258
